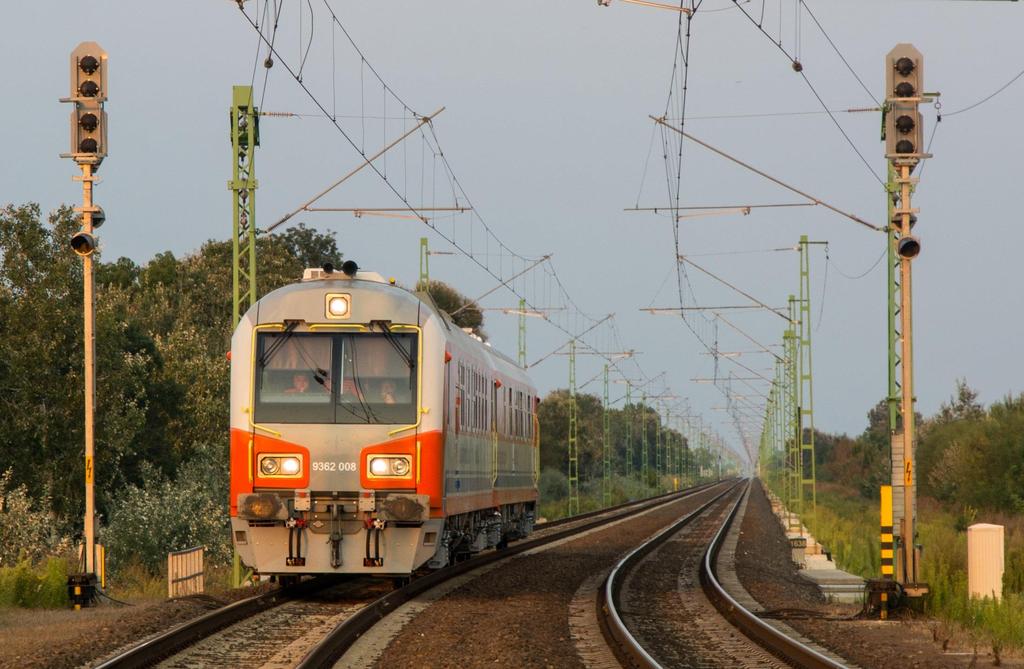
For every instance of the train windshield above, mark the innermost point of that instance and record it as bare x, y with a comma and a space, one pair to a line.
363, 378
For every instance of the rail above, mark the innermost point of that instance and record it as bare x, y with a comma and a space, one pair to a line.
765, 635
609, 593
339, 640
152, 651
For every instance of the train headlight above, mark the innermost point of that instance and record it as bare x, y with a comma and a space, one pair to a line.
281, 466
389, 465
379, 466
270, 466
290, 466
339, 305
400, 466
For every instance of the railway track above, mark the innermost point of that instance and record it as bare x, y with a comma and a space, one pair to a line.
257, 631
333, 646
263, 630
664, 604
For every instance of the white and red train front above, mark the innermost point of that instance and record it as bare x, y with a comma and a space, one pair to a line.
371, 435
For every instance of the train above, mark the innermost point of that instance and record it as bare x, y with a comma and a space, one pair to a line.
372, 435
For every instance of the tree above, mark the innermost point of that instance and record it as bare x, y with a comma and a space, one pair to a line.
465, 312
963, 405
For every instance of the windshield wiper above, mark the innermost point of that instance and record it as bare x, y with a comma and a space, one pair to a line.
393, 340
289, 332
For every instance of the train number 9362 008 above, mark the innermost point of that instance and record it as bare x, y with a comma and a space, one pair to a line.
327, 466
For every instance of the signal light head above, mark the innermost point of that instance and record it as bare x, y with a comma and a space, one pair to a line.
904, 66
89, 64
98, 216
83, 243
904, 146
88, 145
904, 89
905, 124
897, 220
908, 247
89, 88
88, 122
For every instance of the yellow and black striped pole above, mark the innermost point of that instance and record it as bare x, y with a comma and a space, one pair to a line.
888, 567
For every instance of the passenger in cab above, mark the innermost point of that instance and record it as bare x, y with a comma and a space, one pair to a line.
300, 384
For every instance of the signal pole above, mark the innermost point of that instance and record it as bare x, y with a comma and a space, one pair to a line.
88, 149
904, 148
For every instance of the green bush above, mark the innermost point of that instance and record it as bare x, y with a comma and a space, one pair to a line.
553, 485
166, 515
26, 527
28, 587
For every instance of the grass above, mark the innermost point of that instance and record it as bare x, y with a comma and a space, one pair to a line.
136, 583
45, 586
847, 525
28, 586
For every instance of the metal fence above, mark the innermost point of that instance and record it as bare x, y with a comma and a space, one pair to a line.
185, 574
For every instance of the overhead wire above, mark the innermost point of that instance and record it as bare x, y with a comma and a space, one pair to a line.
798, 67
862, 274
839, 53
432, 141
988, 97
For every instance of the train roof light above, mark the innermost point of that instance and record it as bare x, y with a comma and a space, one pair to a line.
339, 305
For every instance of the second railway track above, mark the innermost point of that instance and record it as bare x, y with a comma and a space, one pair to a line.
665, 606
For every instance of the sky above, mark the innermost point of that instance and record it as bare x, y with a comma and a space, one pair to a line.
546, 126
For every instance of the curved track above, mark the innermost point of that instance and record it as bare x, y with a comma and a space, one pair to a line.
326, 653
664, 605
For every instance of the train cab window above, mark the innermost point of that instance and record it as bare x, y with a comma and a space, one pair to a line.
297, 378
293, 378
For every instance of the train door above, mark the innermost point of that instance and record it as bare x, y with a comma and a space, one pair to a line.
494, 431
